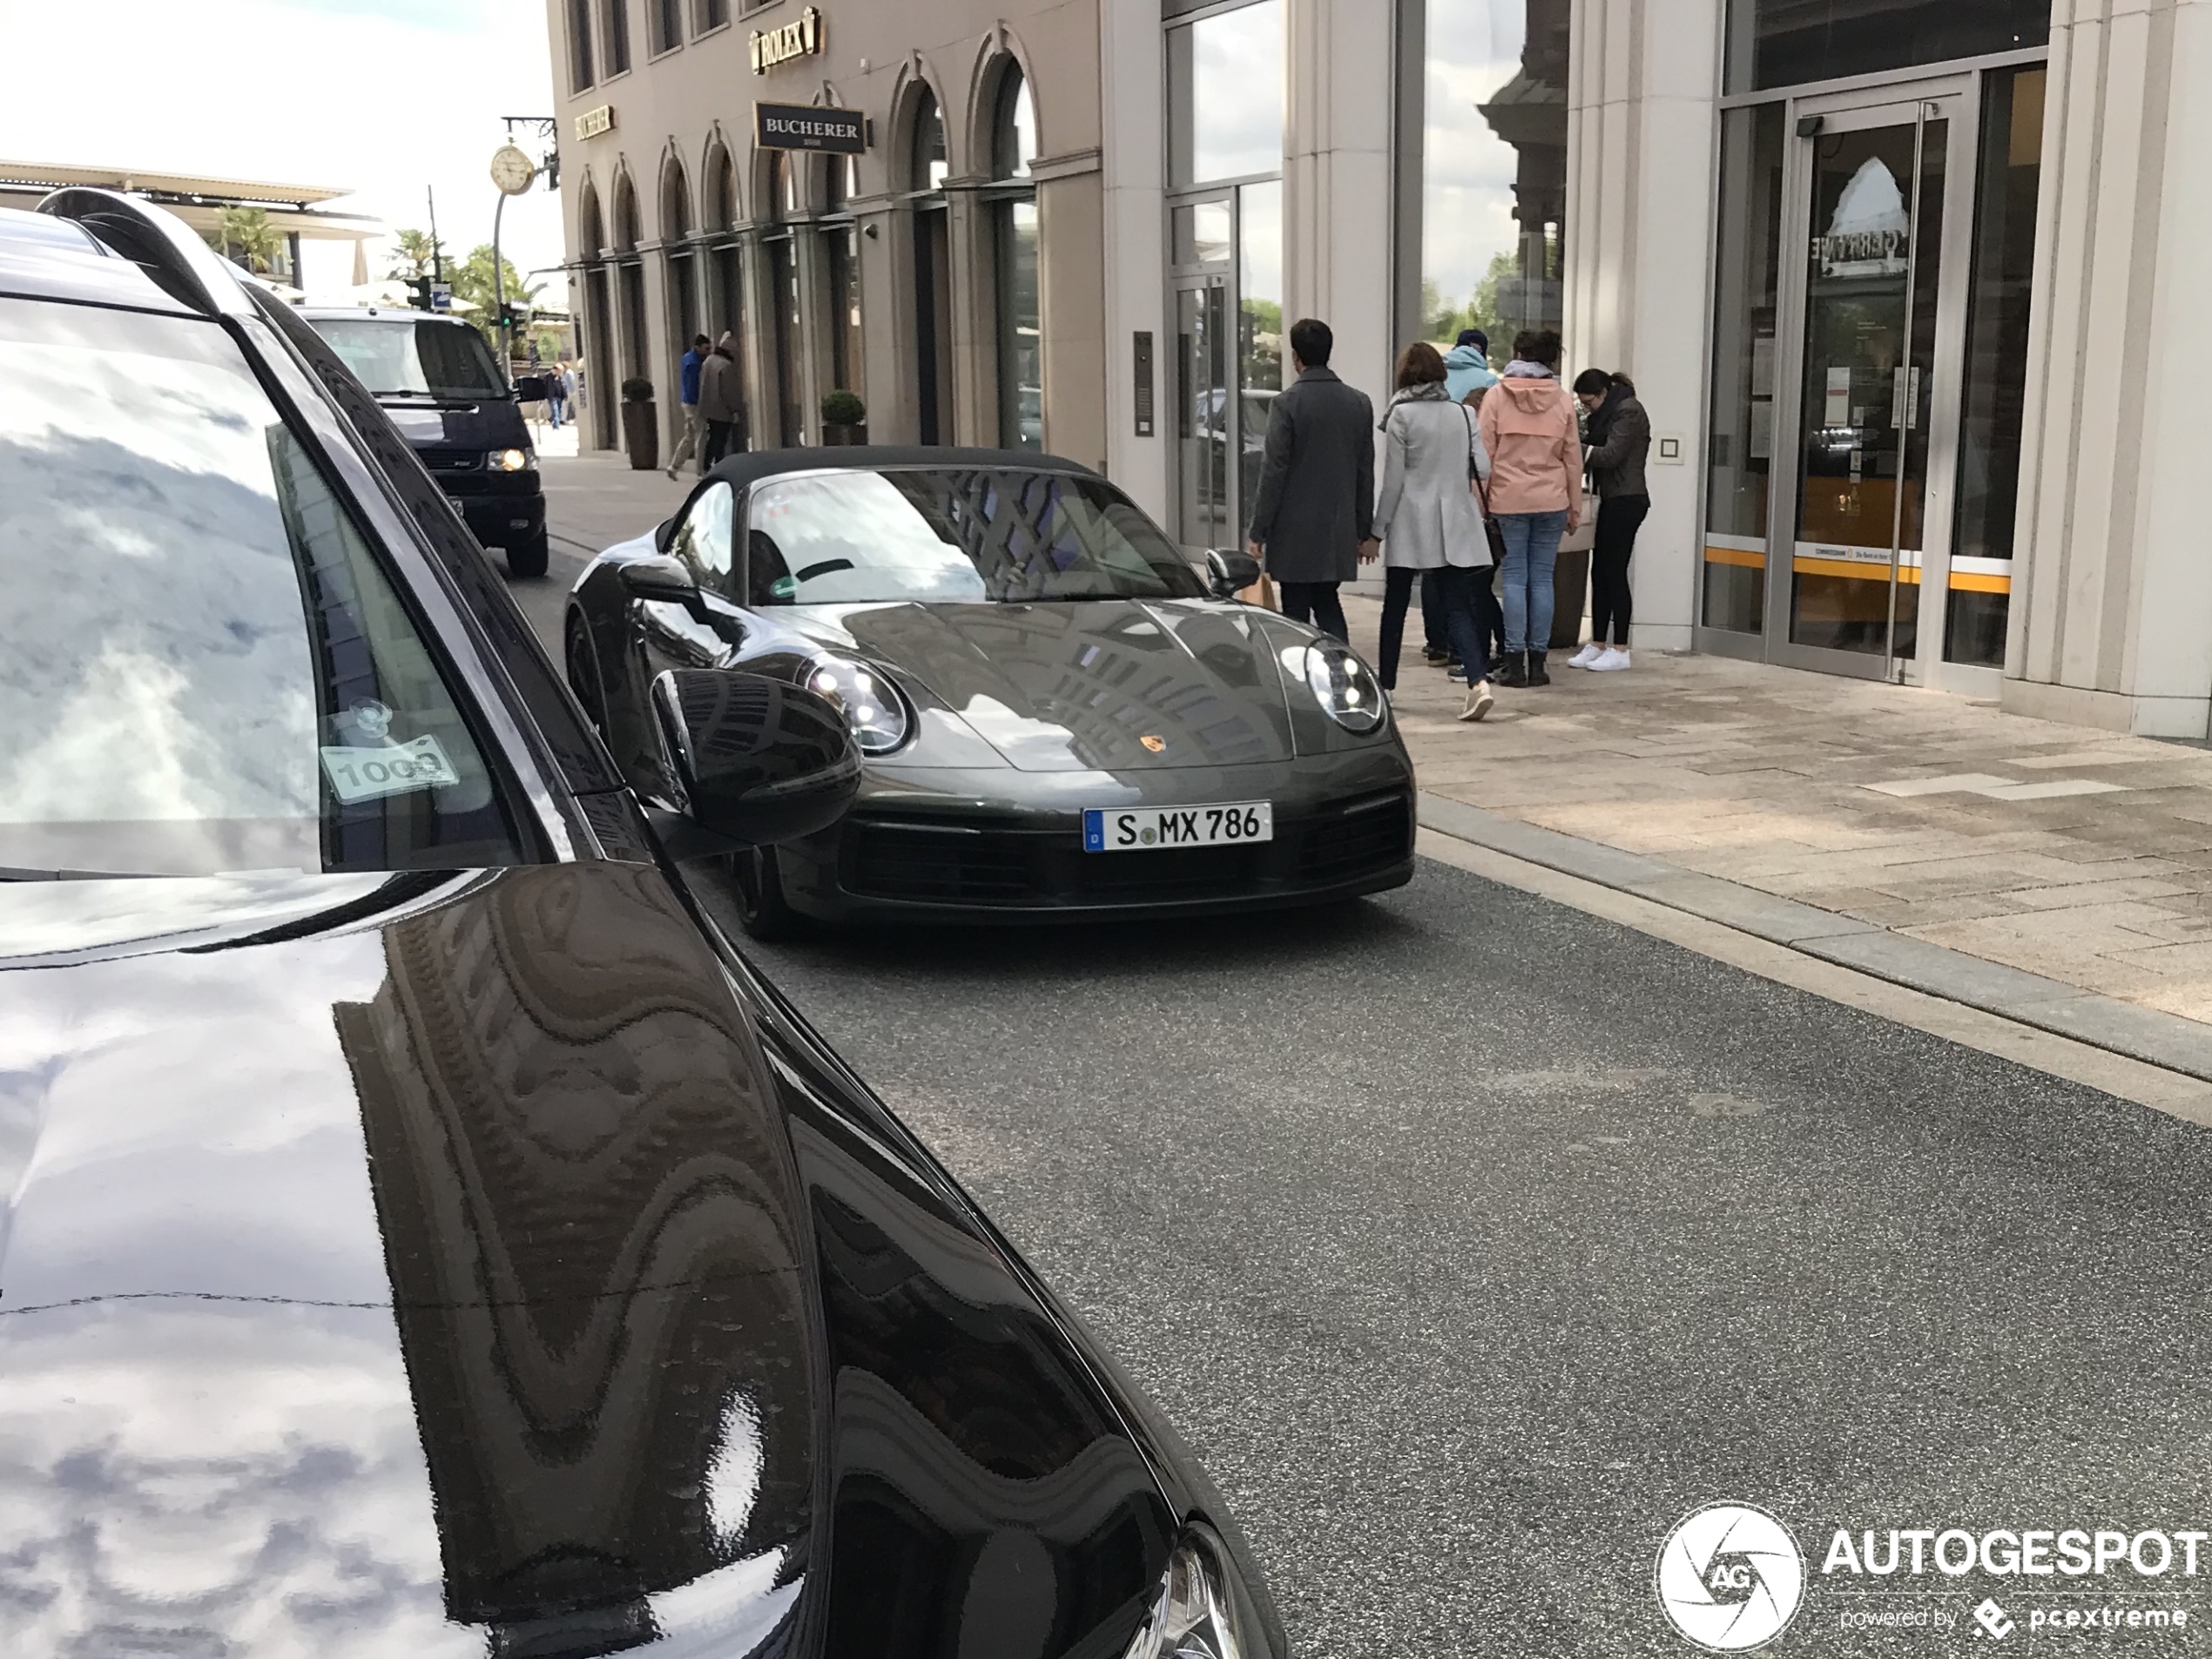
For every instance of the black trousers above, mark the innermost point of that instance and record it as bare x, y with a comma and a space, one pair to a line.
1315, 602
719, 434
1458, 596
1619, 518
1436, 632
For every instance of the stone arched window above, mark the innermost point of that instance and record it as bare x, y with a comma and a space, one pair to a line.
927, 165
1013, 207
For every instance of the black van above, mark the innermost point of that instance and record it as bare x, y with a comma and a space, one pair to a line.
442, 387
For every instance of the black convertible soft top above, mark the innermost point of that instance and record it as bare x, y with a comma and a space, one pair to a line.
751, 468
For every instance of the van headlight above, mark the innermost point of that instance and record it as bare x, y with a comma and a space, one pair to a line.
875, 712
1194, 1615
1344, 687
511, 461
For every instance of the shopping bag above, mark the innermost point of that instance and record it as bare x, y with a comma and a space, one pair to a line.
1583, 537
1262, 593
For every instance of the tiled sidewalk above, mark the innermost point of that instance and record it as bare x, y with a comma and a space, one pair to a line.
2082, 856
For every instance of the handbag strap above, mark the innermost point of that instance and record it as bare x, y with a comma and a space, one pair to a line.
1481, 485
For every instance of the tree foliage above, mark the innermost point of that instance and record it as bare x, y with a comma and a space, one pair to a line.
246, 238
417, 255
472, 281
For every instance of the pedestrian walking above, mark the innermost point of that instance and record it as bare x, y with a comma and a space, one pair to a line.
1314, 518
1619, 434
557, 394
1430, 526
687, 393
1535, 493
721, 403
1467, 375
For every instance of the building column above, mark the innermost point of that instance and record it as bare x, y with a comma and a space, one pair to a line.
759, 335
888, 326
1643, 119
1337, 194
1072, 308
811, 262
2112, 592
1135, 262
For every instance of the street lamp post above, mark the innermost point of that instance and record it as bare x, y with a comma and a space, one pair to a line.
513, 171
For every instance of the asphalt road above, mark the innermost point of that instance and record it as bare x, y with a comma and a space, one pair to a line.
1473, 1241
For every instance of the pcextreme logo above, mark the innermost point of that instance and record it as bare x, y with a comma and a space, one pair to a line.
1730, 1577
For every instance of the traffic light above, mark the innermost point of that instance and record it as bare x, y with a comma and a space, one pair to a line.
419, 287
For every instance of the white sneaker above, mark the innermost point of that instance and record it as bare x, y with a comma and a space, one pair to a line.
1588, 655
1611, 661
1479, 698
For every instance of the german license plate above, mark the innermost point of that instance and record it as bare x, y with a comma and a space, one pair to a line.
1153, 829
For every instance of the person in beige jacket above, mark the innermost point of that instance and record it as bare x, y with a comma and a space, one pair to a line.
1535, 493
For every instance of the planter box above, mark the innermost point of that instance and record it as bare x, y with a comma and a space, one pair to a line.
641, 435
845, 435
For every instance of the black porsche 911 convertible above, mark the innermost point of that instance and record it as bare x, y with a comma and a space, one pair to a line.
1056, 715
426, 1235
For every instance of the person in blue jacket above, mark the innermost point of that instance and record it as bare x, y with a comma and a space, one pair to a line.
687, 392
1467, 375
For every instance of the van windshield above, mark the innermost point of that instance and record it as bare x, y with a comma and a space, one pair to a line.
426, 357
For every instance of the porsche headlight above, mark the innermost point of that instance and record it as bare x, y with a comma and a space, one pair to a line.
1344, 687
1193, 1615
874, 710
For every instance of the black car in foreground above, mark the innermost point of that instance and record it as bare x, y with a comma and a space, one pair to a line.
427, 1234
1057, 715
445, 393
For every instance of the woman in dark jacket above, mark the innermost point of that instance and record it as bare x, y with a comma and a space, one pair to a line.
1619, 434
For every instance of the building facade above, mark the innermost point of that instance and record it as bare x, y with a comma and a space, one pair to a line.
1904, 284
921, 274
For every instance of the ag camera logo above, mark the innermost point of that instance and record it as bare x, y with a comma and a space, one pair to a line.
1730, 1577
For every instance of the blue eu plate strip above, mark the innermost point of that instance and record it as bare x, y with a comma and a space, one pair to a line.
1094, 832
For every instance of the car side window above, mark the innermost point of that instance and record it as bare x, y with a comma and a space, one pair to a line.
703, 540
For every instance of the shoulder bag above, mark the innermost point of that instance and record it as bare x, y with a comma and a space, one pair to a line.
1491, 533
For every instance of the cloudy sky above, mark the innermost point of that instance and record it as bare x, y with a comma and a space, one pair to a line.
384, 97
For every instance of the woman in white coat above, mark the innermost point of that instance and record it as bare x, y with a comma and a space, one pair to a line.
1428, 518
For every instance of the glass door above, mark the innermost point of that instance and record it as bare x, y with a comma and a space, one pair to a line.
1205, 509
1876, 339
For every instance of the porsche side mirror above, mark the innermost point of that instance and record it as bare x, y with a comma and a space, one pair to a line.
751, 759
1229, 574
659, 577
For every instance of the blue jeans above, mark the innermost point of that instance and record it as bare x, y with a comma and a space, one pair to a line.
1532, 555
557, 404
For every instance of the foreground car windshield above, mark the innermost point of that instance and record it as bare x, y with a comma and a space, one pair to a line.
395, 359
202, 668
974, 537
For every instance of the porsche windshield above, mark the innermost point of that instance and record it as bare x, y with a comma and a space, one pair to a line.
203, 666
955, 536
403, 357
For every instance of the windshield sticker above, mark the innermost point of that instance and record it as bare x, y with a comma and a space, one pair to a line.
395, 769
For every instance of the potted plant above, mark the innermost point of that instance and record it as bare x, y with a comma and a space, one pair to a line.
845, 419
640, 424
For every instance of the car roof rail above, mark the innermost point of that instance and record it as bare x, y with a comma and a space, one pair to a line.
169, 251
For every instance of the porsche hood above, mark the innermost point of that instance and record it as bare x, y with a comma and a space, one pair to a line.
1120, 685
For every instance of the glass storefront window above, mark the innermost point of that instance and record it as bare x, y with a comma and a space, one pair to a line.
1225, 78
2009, 174
1739, 448
1021, 338
1260, 347
1493, 168
1792, 43
1201, 234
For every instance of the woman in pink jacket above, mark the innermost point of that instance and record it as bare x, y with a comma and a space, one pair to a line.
1535, 493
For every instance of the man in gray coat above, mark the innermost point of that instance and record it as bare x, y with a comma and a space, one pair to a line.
1313, 519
